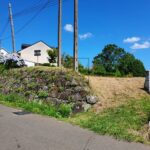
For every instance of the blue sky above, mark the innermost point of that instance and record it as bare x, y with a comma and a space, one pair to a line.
122, 22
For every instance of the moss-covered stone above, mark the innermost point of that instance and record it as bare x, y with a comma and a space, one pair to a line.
52, 85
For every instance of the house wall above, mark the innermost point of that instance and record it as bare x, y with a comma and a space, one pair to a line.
29, 63
28, 53
147, 81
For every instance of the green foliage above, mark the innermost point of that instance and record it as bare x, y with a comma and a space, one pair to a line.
46, 64
32, 86
99, 70
130, 65
53, 55
138, 68
119, 121
116, 62
67, 61
2, 68
84, 70
62, 111
118, 73
42, 94
65, 110
109, 57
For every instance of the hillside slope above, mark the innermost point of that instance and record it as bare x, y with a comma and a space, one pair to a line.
115, 91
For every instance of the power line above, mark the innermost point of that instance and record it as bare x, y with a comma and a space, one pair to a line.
40, 9
4, 28
32, 9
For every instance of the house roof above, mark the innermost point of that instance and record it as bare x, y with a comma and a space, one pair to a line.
4, 50
36, 43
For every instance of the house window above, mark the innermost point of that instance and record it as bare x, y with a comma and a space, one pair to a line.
37, 52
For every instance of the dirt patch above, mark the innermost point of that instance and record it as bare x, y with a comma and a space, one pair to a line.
115, 91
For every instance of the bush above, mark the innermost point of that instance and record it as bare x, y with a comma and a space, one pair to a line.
65, 110
99, 70
42, 94
46, 64
11, 61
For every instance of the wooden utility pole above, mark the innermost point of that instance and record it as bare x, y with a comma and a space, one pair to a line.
75, 36
59, 32
12, 28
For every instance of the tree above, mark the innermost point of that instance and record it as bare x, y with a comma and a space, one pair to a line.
99, 70
126, 64
52, 55
109, 58
130, 65
116, 62
138, 68
67, 61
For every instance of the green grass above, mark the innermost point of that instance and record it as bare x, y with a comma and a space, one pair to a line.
118, 122
121, 122
61, 111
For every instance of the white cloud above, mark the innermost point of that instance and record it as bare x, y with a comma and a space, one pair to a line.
85, 36
144, 45
68, 28
132, 40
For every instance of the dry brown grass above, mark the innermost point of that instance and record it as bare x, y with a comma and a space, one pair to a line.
115, 91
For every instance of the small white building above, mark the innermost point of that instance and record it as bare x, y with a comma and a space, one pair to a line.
3, 51
147, 81
35, 54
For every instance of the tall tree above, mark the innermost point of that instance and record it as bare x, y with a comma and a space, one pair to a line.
109, 58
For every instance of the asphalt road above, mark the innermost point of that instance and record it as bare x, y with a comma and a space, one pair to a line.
23, 131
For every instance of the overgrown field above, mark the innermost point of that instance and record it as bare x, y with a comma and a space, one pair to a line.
128, 122
113, 91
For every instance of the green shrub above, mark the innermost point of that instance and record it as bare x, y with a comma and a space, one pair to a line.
42, 94
2, 68
65, 110
32, 86
118, 73
46, 64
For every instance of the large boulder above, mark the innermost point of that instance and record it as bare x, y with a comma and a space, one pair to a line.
91, 100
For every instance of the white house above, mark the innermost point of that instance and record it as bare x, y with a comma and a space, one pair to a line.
35, 54
3, 52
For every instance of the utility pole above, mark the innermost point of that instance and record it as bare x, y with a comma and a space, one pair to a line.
59, 31
75, 36
12, 27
